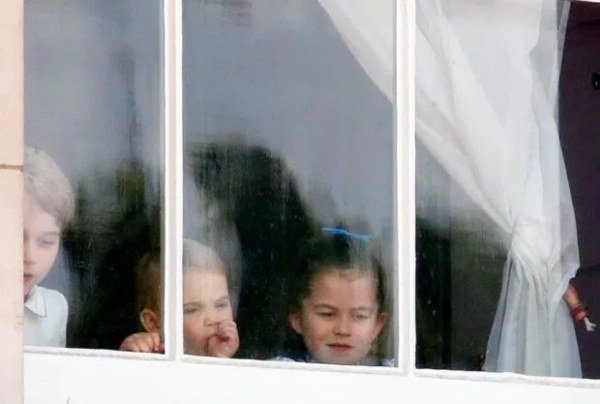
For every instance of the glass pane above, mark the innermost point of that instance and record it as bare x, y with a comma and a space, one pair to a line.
506, 215
93, 125
289, 168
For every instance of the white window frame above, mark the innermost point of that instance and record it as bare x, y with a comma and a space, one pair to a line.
101, 376
11, 189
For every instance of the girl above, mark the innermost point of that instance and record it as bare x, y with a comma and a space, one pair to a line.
337, 301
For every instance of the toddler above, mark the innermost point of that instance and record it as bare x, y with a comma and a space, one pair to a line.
47, 208
208, 326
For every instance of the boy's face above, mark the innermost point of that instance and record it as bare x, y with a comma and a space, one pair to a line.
41, 238
339, 320
205, 305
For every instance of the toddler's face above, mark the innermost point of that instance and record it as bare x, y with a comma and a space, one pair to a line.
41, 238
339, 320
205, 305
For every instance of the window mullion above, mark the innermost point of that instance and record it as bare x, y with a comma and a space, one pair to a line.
173, 201
405, 182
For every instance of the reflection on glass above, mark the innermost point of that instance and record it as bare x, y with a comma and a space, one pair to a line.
285, 135
92, 96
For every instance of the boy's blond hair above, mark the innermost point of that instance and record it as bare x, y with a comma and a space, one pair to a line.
48, 186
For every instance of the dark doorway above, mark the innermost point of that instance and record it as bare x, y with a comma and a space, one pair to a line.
580, 137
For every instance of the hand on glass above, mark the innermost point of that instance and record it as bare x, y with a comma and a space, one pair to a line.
143, 342
224, 342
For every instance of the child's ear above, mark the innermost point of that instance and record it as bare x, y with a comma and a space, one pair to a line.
295, 323
150, 320
379, 323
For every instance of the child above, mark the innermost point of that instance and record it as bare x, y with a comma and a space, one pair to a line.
208, 326
48, 206
337, 303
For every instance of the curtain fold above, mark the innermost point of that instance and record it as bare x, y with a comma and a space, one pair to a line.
486, 93
367, 29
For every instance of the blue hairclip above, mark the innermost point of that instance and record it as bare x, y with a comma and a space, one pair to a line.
341, 231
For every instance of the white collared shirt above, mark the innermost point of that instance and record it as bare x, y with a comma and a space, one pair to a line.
46, 313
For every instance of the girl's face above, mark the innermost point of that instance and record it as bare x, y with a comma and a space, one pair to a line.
41, 238
339, 319
205, 304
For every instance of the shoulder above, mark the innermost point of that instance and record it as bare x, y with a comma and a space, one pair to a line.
53, 299
293, 355
45, 323
283, 359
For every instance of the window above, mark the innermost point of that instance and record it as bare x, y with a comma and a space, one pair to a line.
498, 225
273, 101
97, 115
61, 376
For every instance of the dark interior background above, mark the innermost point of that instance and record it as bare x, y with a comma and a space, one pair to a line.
580, 138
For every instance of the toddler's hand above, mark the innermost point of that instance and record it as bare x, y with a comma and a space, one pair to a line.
143, 342
224, 342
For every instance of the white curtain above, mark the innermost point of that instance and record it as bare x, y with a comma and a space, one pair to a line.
486, 85
368, 29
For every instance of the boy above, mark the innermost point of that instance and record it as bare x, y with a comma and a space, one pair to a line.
48, 206
208, 326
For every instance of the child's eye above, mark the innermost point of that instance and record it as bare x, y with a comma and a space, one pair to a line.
325, 314
222, 305
47, 241
361, 316
190, 310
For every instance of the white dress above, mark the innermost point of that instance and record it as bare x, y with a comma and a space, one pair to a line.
45, 318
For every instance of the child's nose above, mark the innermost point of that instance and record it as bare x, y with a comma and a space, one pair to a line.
28, 255
343, 326
210, 319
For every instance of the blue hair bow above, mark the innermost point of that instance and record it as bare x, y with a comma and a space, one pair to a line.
341, 231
